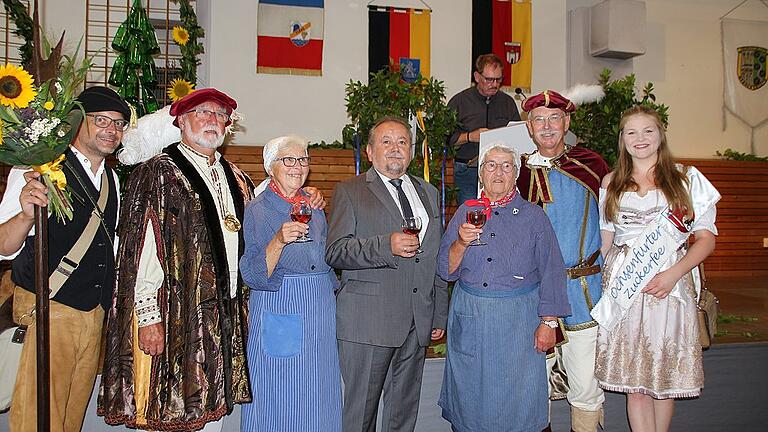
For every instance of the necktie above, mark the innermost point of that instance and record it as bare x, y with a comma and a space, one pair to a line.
404, 204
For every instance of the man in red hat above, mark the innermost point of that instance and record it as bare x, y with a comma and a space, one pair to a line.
177, 330
565, 181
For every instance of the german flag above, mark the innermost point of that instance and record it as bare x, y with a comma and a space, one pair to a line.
503, 27
399, 36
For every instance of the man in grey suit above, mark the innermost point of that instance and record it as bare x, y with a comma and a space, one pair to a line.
391, 303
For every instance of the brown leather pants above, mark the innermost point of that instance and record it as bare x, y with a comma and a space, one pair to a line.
75, 338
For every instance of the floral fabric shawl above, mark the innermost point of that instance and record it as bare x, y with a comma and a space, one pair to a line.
202, 371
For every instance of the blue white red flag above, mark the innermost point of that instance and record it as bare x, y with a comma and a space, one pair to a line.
290, 37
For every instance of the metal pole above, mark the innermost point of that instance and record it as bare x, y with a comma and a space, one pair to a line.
357, 139
41, 319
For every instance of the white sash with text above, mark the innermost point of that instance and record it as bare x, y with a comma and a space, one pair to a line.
649, 252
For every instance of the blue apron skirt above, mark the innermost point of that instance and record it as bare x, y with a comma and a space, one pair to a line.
494, 380
292, 357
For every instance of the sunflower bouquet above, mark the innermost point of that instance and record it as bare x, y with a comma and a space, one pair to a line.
37, 124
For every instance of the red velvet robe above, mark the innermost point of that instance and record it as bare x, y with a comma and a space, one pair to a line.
579, 163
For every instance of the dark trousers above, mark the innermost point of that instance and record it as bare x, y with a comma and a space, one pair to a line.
465, 179
370, 370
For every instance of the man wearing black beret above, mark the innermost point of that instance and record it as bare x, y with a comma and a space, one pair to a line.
81, 264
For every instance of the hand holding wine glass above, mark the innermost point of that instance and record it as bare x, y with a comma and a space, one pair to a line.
412, 226
477, 218
301, 212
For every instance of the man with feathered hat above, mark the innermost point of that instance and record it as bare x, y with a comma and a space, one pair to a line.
176, 332
565, 181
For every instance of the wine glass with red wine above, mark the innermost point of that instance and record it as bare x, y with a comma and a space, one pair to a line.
301, 212
412, 226
477, 218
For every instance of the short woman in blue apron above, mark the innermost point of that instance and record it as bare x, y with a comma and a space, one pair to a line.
292, 357
508, 294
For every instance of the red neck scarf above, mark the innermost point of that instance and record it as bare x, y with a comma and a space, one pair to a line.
487, 204
298, 198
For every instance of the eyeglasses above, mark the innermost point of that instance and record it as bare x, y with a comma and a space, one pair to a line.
539, 120
491, 166
290, 161
104, 122
493, 79
202, 114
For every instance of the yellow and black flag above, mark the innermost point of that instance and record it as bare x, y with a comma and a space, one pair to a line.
503, 27
400, 37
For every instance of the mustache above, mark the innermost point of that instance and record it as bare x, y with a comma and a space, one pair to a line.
107, 135
394, 155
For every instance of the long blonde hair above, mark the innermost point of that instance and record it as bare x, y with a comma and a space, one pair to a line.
671, 181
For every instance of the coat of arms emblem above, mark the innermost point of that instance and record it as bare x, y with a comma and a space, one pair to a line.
299, 33
409, 69
751, 66
513, 50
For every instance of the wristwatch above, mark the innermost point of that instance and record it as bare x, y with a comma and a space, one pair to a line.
550, 323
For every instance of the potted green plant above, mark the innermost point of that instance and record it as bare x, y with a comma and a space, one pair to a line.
387, 94
596, 124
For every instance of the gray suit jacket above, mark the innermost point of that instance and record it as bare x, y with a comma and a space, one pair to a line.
380, 293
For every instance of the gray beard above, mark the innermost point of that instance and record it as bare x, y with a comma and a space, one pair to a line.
200, 139
395, 169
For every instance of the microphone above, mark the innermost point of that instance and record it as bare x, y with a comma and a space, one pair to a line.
519, 95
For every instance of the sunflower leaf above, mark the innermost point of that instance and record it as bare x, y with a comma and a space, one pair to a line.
8, 115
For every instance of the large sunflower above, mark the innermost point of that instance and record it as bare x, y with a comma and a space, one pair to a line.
180, 35
16, 87
180, 88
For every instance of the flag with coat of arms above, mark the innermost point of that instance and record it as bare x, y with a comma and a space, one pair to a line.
504, 27
745, 57
400, 37
290, 37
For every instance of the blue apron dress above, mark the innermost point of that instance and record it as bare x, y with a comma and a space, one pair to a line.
292, 357
494, 380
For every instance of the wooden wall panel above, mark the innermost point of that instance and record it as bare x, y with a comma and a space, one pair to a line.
742, 218
329, 166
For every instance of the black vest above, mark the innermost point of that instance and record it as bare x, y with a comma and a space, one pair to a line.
92, 281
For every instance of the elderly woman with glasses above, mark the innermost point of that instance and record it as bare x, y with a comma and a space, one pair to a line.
292, 358
509, 291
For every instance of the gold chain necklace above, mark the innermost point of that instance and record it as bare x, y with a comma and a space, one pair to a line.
231, 223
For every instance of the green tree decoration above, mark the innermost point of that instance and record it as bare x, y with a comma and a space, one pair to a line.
190, 48
387, 94
596, 124
17, 12
133, 71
